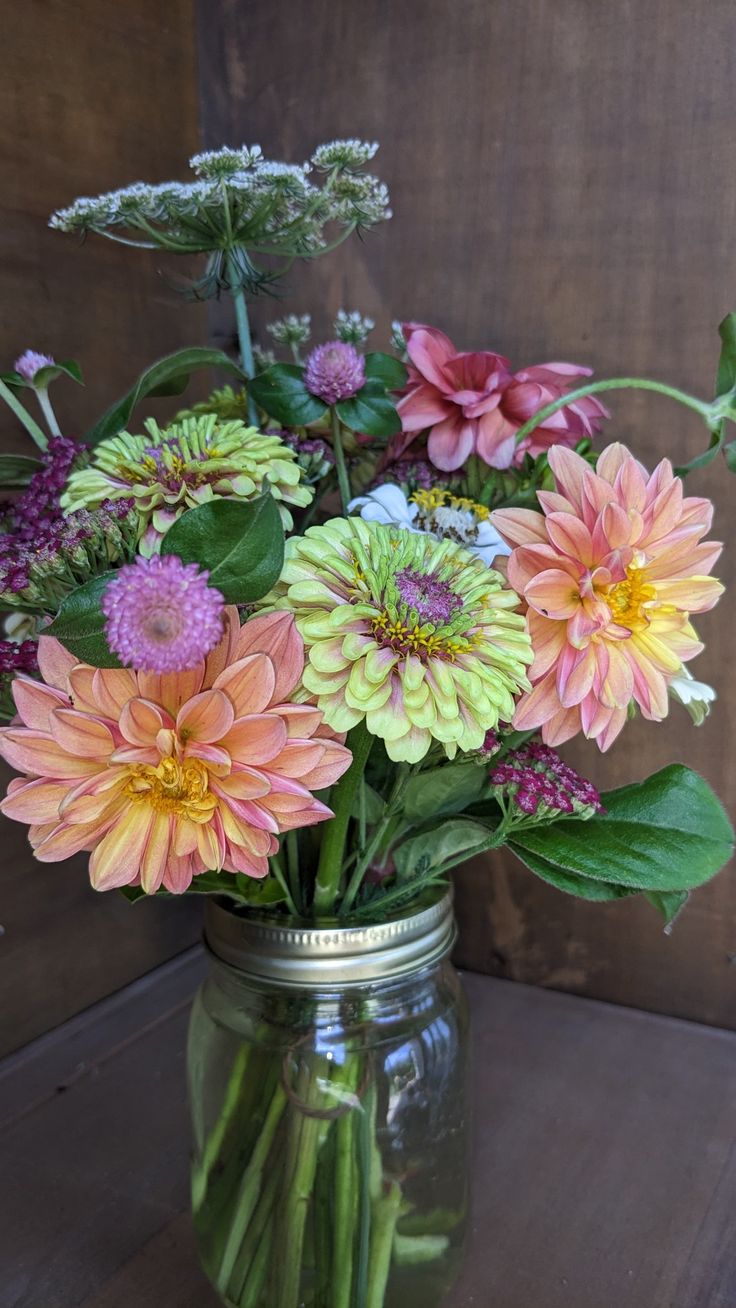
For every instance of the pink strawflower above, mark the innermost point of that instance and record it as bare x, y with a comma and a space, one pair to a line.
533, 389
162, 776
334, 372
611, 571
161, 614
472, 403
30, 363
454, 395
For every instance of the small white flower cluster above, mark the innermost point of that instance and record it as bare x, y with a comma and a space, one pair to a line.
240, 198
353, 327
398, 340
294, 329
344, 154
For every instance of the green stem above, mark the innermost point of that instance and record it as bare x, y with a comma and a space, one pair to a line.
244, 337
47, 410
347, 1181
280, 875
329, 870
366, 1151
343, 479
250, 1189
307, 1135
292, 863
392, 806
247, 1280
200, 1176
702, 407
385, 1216
22, 414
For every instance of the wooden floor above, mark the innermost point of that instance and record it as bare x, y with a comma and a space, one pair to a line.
605, 1169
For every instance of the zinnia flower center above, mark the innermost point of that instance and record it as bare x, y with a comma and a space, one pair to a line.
627, 599
181, 789
432, 600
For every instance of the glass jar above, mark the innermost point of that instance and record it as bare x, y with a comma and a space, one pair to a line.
327, 1084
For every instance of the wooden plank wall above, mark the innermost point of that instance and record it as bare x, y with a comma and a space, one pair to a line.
91, 97
563, 184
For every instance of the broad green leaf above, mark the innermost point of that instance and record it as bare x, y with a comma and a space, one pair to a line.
667, 833
80, 624
446, 789
583, 887
240, 543
280, 390
726, 376
387, 369
668, 904
370, 411
16, 470
169, 376
440, 848
45, 376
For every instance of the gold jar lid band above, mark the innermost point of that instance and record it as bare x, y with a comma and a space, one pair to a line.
293, 953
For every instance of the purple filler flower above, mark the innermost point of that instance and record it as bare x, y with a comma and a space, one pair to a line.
30, 363
161, 614
334, 372
535, 777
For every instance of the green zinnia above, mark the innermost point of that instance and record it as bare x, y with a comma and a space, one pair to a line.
171, 469
416, 636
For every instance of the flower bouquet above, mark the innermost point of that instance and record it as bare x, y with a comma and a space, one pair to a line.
303, 649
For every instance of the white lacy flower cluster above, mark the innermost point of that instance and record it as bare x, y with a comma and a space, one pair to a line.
294, 329
239, 197
352, 327
436, 513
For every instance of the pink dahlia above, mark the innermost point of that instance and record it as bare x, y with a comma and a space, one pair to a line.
611, 571
161, 614
533, 389
162, 776
334, 372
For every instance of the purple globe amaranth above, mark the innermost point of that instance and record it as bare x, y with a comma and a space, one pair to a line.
31, 362
161, 614
334, 372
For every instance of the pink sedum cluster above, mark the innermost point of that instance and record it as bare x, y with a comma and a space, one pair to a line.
611, 570
162, 776
472, 403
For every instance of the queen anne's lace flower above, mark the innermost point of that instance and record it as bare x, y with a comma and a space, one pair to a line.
171, 469
415, 636
161, 614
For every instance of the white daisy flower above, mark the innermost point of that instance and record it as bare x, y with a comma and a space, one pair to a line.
436, 513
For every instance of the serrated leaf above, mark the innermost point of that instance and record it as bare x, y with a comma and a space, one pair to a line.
446, 789
370, 412
80, 624
387, 369
240, 543
280, 390
16, 470
168, 376
668, 833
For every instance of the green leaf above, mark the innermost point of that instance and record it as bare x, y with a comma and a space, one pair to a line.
441, 847
280, 390
669, 904
80, 624
667, 833
16, 470
387, 369
241, 543
571, 884
374, 805
253, 891
726, 376
169, 376
702, 460
370, 411
730, 455
45, 376
446, 789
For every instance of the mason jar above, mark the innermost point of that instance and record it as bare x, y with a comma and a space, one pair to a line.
327, 1084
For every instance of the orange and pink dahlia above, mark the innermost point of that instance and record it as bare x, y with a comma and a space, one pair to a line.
162, 776
611, 571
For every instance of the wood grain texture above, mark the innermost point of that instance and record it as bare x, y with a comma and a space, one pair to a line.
90, 98
563, 187
603, 1169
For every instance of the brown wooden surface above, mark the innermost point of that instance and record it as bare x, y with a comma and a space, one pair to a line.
604, 1171
562, 184
91, 97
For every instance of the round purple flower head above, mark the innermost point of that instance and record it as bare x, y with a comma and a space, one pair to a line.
334, 372
30, 363
161, 614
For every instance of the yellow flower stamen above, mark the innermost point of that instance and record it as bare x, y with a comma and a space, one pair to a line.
181, 789
628, 599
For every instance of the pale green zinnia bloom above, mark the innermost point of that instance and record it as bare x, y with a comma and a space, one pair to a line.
417, 637
171, 469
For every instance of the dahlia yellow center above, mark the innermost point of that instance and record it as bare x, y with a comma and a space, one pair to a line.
628, 599
181, 789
